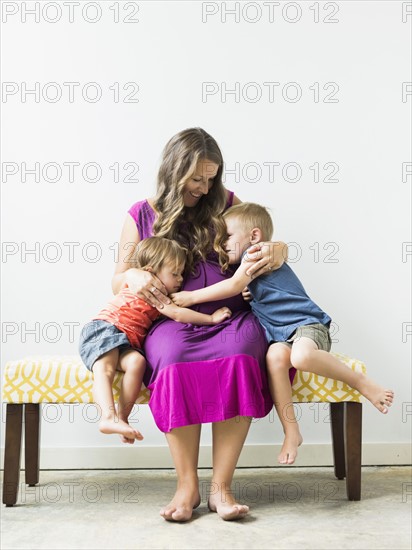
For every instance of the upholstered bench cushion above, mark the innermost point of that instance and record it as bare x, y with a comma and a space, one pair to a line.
64, 379
312, 388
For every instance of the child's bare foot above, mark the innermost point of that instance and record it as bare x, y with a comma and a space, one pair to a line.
180, 508
123, 438
225, 505
117, 426
377, 395
289, 450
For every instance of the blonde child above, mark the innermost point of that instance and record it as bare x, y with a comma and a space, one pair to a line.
113, 340
296, 328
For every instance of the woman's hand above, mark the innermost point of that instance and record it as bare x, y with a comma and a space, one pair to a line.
265, 257
182, 299
147, 287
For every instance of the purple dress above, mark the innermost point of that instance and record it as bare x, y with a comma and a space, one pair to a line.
199, 374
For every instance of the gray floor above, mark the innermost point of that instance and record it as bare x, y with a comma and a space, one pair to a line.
290, 508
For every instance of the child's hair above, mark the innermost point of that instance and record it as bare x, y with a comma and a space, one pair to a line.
180, 158
250, 215
155, 252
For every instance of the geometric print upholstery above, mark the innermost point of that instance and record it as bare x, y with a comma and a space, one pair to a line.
54, 379
64, 379
311, 388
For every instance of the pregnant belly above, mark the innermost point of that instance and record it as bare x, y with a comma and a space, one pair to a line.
169, 342
209, 273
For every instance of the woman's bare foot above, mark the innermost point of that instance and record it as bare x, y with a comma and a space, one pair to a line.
180, 508
225, 504
377, 395
289, 450
118, 426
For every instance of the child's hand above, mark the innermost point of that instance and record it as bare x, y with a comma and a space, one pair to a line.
247, 296
220, 315
182, 299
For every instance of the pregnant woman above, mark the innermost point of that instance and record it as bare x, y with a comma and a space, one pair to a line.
198, 374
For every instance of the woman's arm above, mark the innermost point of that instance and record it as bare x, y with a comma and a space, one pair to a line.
219, 291
184, 315
144, 284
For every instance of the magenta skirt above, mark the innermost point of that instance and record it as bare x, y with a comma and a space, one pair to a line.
199, 374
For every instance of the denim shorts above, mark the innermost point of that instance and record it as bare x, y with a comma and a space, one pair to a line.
99, 337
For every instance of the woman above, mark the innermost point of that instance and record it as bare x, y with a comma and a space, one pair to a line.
198, 374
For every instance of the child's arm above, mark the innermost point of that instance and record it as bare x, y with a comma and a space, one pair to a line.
184, 315
219, 291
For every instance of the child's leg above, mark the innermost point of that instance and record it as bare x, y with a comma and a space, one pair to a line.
278, 365
103, 374
307, 357
133, 364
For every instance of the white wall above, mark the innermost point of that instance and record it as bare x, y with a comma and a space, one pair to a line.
363, 219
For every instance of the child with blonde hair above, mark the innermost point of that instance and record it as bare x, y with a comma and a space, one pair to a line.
113, 340
296, 328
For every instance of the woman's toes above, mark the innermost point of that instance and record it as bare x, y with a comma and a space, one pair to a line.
181, 515
167, 513
176, 514
226, 510
243, 509
238, 511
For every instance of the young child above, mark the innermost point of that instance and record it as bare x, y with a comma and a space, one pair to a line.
296, 328
113, 340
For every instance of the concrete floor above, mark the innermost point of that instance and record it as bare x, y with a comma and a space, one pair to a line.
290, 508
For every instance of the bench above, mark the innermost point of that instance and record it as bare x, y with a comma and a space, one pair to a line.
29, 382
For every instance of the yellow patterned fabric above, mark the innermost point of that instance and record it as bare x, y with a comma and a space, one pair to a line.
54, 379
64, 379
311, 388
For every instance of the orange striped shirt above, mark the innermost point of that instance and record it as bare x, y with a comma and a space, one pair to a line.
131, 315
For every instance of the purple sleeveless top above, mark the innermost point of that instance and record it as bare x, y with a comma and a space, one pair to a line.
199, 374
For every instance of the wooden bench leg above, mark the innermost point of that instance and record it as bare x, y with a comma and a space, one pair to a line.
353, 448
338, 441
12, 452
32, 442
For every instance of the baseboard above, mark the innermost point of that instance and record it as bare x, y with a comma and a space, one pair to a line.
153, 457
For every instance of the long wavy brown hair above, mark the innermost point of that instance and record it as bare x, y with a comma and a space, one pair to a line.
194, 228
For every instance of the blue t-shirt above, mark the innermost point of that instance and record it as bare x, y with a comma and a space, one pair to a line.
282, 305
